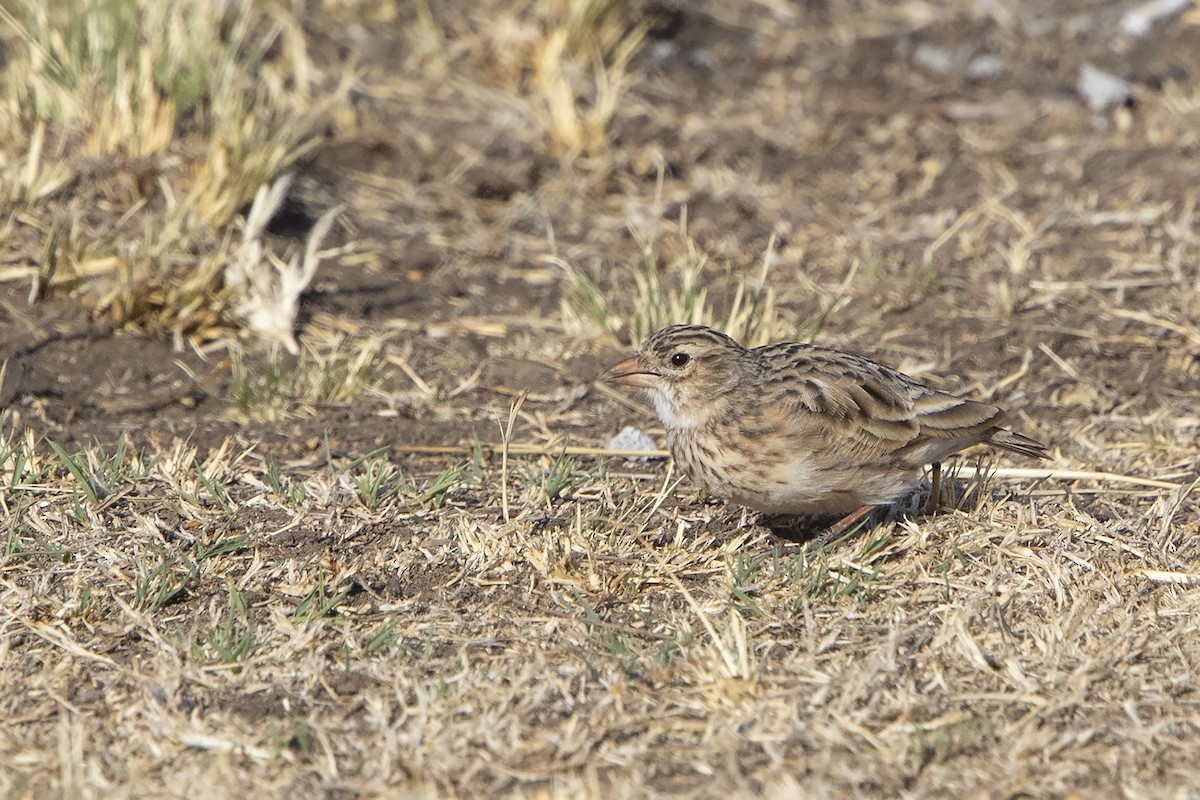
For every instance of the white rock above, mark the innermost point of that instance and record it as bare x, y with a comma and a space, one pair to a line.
631, 438
1102, 90
1137, 21
934, 59
985, 67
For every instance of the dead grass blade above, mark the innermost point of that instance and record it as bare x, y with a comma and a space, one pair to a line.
1032, 473
506, 436
517, 448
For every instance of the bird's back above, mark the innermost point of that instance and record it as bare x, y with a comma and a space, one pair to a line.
874, 413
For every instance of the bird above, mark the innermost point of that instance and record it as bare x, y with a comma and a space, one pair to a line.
795, 428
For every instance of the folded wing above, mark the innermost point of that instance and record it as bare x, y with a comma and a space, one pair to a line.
873, 412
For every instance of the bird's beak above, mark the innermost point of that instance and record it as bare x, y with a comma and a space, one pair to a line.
627, 373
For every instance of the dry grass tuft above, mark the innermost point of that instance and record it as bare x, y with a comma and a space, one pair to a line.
566, 59
268, 288
679, 291
133, 135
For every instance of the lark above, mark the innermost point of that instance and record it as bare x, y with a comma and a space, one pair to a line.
801, 429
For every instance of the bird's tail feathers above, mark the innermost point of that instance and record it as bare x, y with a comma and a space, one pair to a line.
1018, 443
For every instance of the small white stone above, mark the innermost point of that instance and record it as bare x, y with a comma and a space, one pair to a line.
934, 59
1138, 21
985, 67
664, 50
631, 438
1102, 90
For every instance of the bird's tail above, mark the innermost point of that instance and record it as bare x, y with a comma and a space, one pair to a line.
1018, 443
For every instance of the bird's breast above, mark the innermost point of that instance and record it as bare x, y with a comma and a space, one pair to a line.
779, 477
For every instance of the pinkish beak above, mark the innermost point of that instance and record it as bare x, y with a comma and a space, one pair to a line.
626, 373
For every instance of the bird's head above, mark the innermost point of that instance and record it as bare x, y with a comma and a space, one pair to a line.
686, 370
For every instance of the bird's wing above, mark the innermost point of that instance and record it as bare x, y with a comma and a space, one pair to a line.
868, 409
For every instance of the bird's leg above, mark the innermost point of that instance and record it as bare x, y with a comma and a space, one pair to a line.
847, 522
935, 487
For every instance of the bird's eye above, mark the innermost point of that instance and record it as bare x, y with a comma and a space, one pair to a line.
680, 359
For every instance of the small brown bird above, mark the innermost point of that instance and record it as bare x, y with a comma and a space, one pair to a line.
801, 429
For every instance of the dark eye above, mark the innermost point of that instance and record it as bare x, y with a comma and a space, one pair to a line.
680, 359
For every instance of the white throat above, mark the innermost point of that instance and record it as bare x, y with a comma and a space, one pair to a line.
669, 411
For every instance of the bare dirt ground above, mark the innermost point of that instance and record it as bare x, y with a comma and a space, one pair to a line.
242, 576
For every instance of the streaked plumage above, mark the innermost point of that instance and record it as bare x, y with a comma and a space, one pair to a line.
796, 428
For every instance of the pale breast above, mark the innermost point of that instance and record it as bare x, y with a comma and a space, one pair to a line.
804, 486
783, 480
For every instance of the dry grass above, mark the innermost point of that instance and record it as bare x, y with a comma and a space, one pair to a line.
677, 292
365, 623
134, 133
413, 568
565, 60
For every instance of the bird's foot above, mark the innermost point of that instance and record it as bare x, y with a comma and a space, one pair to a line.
843, 527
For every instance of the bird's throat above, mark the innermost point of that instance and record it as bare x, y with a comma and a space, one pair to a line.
678, 412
